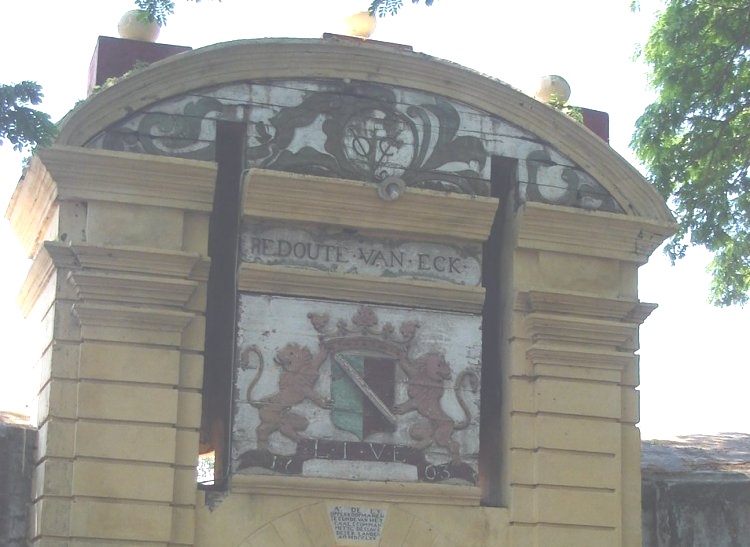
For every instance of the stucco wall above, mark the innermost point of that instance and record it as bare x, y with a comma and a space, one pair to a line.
119, 287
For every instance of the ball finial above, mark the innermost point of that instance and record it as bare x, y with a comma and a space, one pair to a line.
137, 25
361, 24
553, 89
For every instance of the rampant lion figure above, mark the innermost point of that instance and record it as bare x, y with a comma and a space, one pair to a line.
427, 375
300, 371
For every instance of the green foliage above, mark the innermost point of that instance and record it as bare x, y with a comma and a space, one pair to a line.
20, 125
109, 82
381, 8
158, 10
695, 138
570, 111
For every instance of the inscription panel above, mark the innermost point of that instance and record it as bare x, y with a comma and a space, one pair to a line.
357, 525
356, 392
341, 251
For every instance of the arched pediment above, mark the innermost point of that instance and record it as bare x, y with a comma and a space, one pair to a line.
326, 60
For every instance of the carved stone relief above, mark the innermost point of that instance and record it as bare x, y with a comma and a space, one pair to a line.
356, 392
361, 131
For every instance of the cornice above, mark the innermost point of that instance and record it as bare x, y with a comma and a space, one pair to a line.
32, 206
140, 260
125, 274
359, 288
83, 174
584, 305
383, 492
132, 289
576, 330
589, 233
110, 315
42, 269
579, 336
581, 357
64, 173
291, 197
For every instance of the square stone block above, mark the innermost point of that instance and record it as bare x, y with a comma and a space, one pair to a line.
118, 480
144, 443
134, 225
129, 363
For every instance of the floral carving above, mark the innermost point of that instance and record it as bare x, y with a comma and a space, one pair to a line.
369, 136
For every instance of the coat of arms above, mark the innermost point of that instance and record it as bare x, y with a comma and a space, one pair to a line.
377, 401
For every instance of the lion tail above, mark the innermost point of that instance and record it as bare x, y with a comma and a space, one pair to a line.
473, 381
245, 364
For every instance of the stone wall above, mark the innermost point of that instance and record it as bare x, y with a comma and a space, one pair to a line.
16, 465
696, 491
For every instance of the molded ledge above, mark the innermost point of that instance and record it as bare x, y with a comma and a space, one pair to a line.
303, 198
397, 492
359, 288
590, 233
130, 324
567, 328
32, 206
153, 268
578, 356
133, 289
585, 305
64, 173
140, 260
131, 317
102, 175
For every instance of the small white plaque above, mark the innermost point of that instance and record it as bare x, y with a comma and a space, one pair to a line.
357, 525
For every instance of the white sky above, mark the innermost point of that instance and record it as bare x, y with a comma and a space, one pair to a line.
694, 358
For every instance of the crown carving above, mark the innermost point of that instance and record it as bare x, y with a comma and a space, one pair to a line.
363, 332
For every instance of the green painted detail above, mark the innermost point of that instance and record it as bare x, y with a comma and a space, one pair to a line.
369, 136
347, 412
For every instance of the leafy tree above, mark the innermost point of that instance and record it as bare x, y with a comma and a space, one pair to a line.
159, 10
384, 7
695, 138
21, 125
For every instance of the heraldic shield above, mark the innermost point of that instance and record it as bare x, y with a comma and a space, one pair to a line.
374, 400
362, 389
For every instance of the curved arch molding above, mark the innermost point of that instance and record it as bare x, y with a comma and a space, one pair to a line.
306, 59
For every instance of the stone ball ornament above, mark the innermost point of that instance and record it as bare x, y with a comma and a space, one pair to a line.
553, 89
360, 25
137, 25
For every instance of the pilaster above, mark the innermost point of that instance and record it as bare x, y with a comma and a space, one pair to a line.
573, 373
120, 300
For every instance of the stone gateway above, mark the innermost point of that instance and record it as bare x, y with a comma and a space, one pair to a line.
387, 300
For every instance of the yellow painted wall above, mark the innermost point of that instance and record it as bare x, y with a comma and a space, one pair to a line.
118, 290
